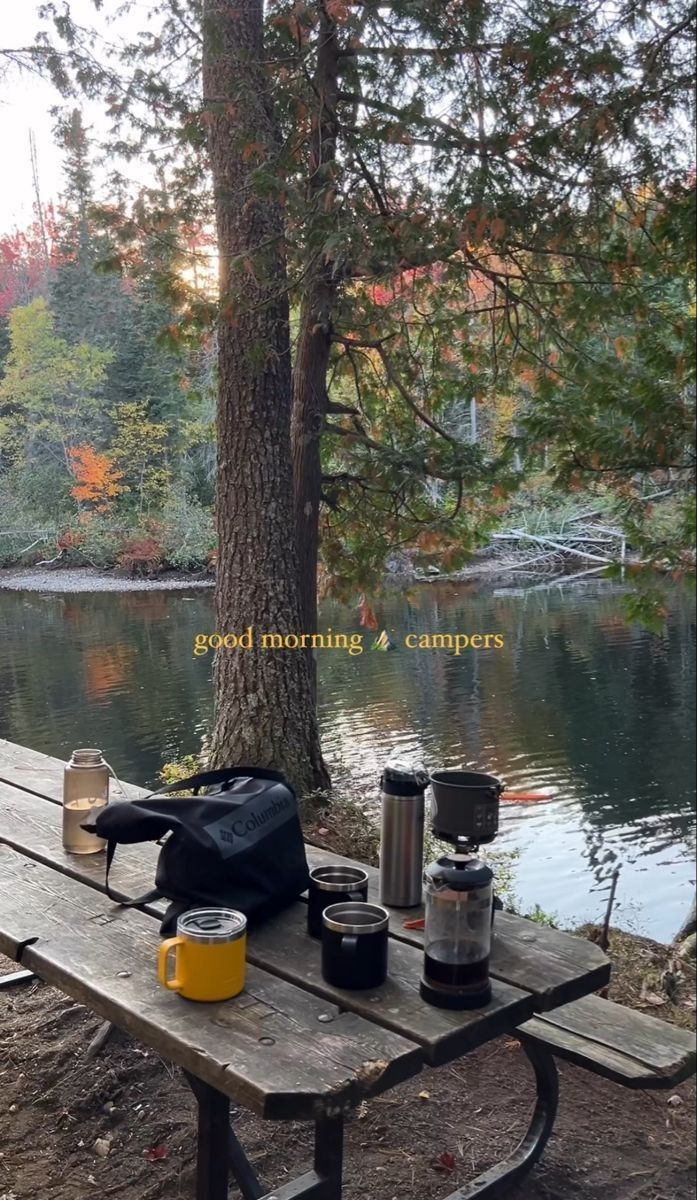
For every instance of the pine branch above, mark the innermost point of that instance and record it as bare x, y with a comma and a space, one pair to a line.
471, 145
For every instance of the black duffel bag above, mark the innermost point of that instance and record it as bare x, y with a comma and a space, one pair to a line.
238, 846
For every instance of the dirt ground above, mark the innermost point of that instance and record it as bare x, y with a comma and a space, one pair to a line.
420, 1141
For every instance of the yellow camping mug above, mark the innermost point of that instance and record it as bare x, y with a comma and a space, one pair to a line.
209, 955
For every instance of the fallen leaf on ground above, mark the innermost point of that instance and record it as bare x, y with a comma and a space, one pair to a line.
157, 1153
445, 1162
653, 999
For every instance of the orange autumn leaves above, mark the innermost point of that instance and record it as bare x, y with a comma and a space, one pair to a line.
98, 480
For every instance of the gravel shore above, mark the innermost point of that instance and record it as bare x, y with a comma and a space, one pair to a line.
89, 579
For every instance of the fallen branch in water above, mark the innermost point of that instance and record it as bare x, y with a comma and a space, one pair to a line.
519, 535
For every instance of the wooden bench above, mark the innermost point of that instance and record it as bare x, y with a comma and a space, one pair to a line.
630, 1048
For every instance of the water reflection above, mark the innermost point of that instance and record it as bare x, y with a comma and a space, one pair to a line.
599, 714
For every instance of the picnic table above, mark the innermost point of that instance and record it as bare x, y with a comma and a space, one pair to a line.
290, 1046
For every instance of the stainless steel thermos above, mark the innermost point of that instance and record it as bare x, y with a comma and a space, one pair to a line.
402, 833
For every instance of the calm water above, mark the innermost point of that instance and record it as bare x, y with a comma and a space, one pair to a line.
598, 714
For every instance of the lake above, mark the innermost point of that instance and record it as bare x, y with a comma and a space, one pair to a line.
598, 714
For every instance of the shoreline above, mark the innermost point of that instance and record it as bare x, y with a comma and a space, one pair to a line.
73, 580
92, 579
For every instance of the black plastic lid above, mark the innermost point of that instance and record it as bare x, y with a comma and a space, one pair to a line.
401, 787
459, 872
401, 777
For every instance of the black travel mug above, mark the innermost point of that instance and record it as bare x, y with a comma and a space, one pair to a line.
332, 885
354, 945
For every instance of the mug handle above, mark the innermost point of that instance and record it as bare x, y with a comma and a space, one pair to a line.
356, 896
349, 945
166, 947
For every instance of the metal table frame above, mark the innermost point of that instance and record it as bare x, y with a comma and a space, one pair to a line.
220, 1154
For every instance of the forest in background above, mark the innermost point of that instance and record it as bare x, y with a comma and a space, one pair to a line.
107, 399
466, 386
107, 447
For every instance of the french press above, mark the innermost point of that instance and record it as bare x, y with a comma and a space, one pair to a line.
457, 937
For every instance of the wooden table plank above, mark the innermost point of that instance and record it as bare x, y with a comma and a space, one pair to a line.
554, 966
275, 1049
282, 947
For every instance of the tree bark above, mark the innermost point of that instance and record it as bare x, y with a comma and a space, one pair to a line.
315, 335
265, 711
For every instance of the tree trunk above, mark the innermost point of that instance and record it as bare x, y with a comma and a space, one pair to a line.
265, 712
309, 414
315, 335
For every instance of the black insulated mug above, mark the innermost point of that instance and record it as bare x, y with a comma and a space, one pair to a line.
354, 945
331, 885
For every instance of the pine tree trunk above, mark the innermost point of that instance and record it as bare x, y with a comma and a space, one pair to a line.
315, 335
309, 415
265, 712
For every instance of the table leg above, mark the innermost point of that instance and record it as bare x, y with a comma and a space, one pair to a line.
324, 1182
498, 1180
242, 1169
212, 1164
329, 1155
219, 1152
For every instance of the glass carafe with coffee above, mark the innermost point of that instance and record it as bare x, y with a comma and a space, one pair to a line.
459, 891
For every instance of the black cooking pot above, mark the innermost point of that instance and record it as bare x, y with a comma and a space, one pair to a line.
465, 805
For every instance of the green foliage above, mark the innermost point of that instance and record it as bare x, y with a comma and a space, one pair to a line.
49, 396
541, 917
139, 450
618, 407
101, 543
187, 532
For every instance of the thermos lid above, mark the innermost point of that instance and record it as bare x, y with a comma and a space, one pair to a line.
459, 873
212, 925
401, 777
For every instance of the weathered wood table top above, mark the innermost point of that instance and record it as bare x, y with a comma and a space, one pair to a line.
291, 1045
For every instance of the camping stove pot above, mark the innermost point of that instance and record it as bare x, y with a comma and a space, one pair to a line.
465, 806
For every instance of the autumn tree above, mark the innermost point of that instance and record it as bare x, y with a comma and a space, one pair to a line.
97, 480
50, 396
139, 452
